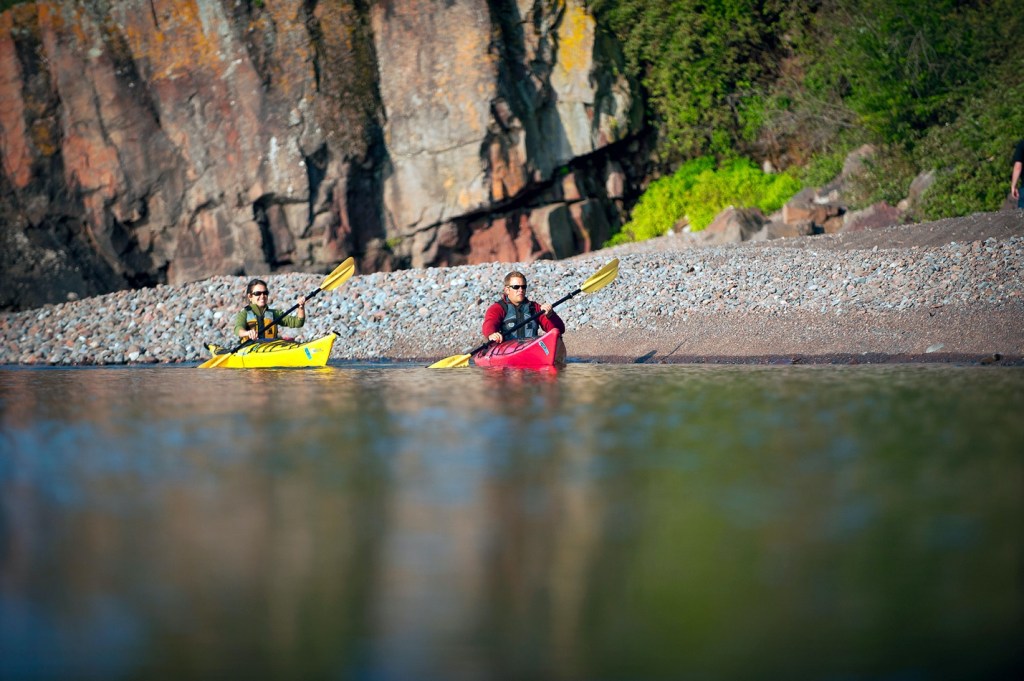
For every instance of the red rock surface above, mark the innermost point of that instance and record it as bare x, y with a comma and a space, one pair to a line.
161, 141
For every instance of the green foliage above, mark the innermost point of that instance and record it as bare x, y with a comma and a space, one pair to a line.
896, 63
7, 4
698, 192
664, 203
956, 113
701, 63
886, 177
823, 168
971, 157
933, 86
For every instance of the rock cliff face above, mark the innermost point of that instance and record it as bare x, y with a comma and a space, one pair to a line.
150, 141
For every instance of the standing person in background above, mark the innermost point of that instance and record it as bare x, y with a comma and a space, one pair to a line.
513, 308
1018, 163
254, 321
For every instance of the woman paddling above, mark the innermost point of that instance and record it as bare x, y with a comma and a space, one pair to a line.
257, 319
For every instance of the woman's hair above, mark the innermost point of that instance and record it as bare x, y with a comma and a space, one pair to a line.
253, 283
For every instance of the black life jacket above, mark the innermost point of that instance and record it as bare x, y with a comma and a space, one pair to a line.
515, 315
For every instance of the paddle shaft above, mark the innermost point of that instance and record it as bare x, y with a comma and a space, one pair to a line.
533, 318
276, 319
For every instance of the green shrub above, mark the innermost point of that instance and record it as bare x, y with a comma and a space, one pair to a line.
702, 65
897, 63
698, 192
823, 168
801, 83
663, 203
886, 177
971, 157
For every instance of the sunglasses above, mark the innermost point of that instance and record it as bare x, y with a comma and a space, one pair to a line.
517, 287
259, 293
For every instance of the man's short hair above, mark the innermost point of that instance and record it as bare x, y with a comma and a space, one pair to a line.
514, 275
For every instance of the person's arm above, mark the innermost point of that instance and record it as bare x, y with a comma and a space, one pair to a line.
298, 319
492, 322
550, 320
241, 329
1018, 164
292, 321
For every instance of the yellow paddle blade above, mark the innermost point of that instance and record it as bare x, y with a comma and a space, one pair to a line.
453, 362
214, 361
602, 277
339, 276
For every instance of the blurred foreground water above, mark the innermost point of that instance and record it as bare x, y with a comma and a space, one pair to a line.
600, 522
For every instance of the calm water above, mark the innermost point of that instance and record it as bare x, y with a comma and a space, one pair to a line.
602, 522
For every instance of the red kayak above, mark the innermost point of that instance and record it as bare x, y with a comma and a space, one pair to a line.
542, 351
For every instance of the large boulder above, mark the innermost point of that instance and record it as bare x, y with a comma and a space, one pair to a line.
875, 216
733, 225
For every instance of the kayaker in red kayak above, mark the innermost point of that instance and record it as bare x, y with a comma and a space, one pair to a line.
253, 321
513, 308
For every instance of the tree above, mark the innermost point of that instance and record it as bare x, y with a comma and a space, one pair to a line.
704, 64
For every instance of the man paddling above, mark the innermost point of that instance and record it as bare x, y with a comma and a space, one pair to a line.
513, 308
254, 321
514, 283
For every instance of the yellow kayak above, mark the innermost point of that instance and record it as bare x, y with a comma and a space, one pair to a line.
277, 353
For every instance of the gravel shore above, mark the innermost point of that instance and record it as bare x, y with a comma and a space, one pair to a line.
951, 290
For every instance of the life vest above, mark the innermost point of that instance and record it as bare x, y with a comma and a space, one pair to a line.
515, 315
261, 324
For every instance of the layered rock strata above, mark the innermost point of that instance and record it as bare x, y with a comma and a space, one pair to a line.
166, 141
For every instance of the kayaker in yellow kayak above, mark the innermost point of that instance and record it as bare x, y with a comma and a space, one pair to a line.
254, 321
513, 308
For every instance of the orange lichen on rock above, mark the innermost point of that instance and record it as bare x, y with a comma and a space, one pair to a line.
576, 38
180, 42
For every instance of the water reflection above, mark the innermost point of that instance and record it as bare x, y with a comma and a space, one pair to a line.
596, 522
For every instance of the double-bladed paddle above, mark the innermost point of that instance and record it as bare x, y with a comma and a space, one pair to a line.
339, 276
599, 280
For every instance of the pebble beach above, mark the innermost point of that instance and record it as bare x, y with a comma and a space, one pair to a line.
946, 291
